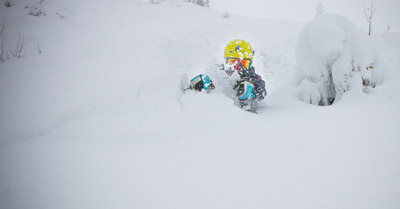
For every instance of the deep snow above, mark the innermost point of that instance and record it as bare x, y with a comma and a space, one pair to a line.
98, 120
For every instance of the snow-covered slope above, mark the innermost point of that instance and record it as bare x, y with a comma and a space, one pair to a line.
99, 120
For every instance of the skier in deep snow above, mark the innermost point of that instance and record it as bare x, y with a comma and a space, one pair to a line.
238, 57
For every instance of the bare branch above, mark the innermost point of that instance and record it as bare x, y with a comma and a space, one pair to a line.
19, 45
369, 14
387, 30
3, 27
37, 46
3, 48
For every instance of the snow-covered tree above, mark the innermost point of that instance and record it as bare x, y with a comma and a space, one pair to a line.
319, 9
331, 60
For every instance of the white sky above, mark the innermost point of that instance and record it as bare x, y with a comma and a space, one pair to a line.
387, 11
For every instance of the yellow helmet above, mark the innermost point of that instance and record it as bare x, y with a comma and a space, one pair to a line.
239, 49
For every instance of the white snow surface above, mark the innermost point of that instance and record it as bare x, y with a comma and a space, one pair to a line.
99, 120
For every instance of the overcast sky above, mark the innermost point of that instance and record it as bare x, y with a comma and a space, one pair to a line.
387, 11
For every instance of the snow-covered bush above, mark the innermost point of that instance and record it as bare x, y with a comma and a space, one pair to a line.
37, 9
155, 1
332, 58
8, 4
203, 3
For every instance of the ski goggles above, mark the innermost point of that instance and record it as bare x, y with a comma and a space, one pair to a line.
239, 62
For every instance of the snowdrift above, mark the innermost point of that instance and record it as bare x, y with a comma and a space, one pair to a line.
332, 58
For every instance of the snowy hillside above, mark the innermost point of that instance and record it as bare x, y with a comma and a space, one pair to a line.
98, 119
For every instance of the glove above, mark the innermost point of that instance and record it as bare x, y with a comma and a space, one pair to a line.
260, 93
